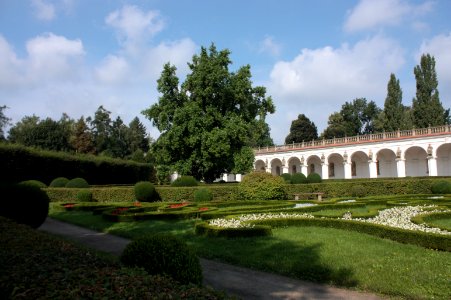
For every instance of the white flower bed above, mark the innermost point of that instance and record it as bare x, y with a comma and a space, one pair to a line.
347, 201
300, 205
241, 222
400, 217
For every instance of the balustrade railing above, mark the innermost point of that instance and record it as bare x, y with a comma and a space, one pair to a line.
373, 137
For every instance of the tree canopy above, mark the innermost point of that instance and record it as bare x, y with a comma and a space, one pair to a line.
207, 120
302, 129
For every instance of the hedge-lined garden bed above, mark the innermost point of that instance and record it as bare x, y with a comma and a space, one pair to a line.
36, 265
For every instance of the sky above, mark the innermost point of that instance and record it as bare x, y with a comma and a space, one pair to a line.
71, 56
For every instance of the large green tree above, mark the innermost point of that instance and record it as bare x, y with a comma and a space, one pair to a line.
426, 106
82, 139
302, 129
101, 129
393, 113
207, 120
137, 138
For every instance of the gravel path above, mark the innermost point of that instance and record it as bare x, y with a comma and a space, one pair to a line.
235, 281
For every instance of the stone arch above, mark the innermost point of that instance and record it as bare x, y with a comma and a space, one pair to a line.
336, 167
386, 163
276, 166
416, 162
314, 165
444, 160
294, 165
260, 166
359, 165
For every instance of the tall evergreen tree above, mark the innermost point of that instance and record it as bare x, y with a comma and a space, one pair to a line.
118, 139
82, 139
101, 129
137, 138
427, 108
302, 129
393, 113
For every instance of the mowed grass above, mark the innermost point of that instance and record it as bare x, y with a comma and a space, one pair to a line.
441, 223
324, 255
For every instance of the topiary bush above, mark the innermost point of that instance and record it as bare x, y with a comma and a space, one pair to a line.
298, 178
35, 183
79, 183
286, 177
25, 204
144, 191
314, 178
84, 196
441, 187
261, 186
185, 181
59, 182
358, 191
203, 195
166, 255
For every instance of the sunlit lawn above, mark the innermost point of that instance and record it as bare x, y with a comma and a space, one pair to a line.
318, 254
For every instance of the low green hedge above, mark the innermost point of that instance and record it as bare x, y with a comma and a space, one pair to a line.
426, 218
36, 265
213, 231
422, 239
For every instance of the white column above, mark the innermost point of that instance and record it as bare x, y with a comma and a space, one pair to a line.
284, 169
304, 170
373, 169
238, 177
432, 164
348, 171
401, 167
325, 171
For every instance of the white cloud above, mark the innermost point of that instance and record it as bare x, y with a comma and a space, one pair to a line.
43, 11
113, 70
318, 81
10, 66
439, 47
369, 14
268, 45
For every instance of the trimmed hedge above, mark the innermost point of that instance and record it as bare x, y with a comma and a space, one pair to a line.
261, 186
22, 163
422, 239
59, 182
213, 231
84, 195
35, 183
77, 183
203, 195
185, 181
426, 218
36, 265
144, 191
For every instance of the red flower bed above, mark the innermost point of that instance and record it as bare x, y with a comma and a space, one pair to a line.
203, 208
137, 204
179, 205
119, 210
68, 205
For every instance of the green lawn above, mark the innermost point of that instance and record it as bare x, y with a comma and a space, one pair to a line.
338, 257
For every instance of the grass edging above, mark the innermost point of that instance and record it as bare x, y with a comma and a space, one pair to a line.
213, 231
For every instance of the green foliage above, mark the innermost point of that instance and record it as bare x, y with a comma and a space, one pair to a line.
59, 182
35, 183
302, 129
393, 108
441, 187
145, 191
426, 106
16, 160
25, 204
164, 254
207, 119
185, 181
81, 138
298, 178
314, 178
86, 274
358, 191
286, 177
243, 232
203, 195
243, 160
84, 196
261, 186
77, 183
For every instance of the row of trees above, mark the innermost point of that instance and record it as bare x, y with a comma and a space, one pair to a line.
362, 117
98, 135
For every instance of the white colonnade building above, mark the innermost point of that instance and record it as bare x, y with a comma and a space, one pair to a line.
416, 152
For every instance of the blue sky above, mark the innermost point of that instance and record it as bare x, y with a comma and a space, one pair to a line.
72, 56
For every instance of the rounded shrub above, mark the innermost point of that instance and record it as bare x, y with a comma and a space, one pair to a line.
286, 177
26, 204
262, 186
441, 187
185, 181
77, 183
314, 178
203, 195
298, 178
84, 196
35, 183
59, 182
164, 254
358, 191
144, 191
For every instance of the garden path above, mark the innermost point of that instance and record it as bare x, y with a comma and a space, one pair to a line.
235, 281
